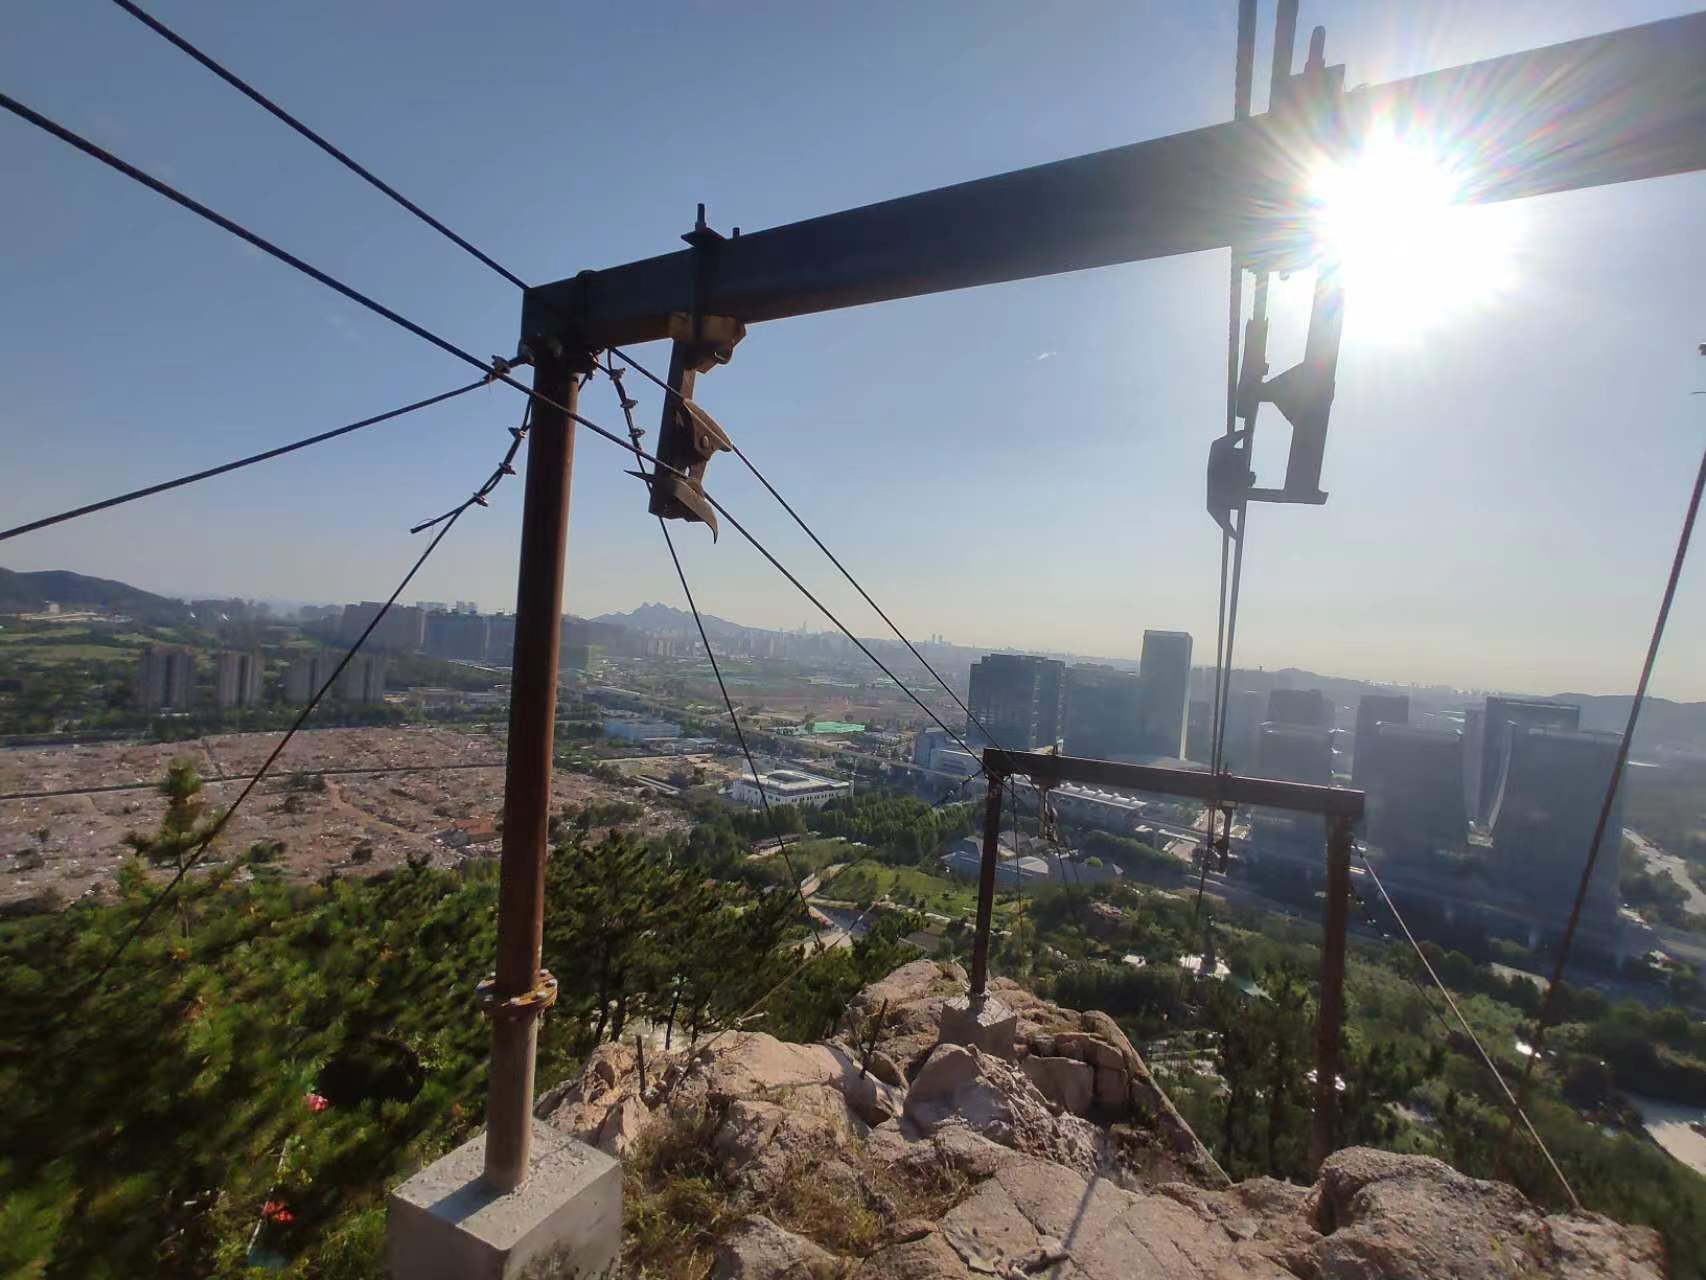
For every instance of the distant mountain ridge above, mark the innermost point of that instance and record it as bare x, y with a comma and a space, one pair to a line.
34, 591
668, 620
1663, 723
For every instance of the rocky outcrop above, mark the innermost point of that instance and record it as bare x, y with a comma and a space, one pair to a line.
1082, 1063
758, 1249
1057, 1155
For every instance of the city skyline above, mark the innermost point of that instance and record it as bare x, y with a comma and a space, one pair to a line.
1480, 533
925, 635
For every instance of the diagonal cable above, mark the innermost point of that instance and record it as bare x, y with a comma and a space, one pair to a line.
255, 95
494, 370
1515, 1107
634, 432
181, 481
497, 370
1610, 802
224, 819
833, 558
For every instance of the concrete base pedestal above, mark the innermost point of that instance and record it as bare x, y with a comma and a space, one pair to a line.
986, 1023
565, 1221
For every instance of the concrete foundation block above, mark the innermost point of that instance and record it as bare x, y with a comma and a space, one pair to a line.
565, 1223
987, 1024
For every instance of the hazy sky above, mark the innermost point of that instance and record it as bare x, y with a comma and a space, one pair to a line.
1506, 480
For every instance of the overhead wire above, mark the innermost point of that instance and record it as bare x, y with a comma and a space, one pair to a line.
832, 557
255, 95
634, 432
368, 176
207, 839
1243, 77
496, 369
1517, 1112
1609, 803
167, 485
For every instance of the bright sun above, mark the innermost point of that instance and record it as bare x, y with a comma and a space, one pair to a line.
1410, 250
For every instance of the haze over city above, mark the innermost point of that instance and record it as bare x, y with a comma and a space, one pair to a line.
616, 640
1505, 477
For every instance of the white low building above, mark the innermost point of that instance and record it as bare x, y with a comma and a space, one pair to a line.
636, 730
1093, 806
786, 786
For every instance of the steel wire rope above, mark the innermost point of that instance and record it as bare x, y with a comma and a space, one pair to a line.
634, 432
238, 83
1486, 1058
1422, 991
1678, 559
205, 843
495, 370
255, 95
833, 558
209, 473
367, 175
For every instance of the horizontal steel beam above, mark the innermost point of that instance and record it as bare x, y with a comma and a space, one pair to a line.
1609, 108
1047, 769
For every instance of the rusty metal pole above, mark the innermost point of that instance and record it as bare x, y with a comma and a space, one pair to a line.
1331, 1016
520, 991
986, 884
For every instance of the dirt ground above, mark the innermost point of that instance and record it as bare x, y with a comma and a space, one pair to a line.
71, 844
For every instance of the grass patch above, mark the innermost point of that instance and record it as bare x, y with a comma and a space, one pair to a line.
677, 1206
674, 1204
868, 880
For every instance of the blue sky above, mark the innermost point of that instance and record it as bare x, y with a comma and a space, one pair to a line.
1506, 487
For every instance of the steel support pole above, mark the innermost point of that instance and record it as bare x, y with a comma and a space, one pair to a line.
516, 997
1331, 1015
986, 885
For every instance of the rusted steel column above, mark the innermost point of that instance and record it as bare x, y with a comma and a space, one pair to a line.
520, 991
1331, 1016
986, 883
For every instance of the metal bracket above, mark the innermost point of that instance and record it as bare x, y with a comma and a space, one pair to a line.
688, 436
1307, 119
1304, 395
529, 1004
1229, 477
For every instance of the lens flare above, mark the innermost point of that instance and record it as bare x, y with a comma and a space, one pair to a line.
1410, 250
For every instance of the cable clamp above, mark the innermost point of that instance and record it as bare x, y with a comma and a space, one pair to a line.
529, 1004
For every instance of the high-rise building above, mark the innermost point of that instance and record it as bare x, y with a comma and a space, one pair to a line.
1166, 669
1474, 745
1544, 815
1103, 712
1307, 707
1296, 753
1245, 711
457, 635
927, 743
500, 639
363, 680
1374, 709
1018, 699
1504, 717
580, 658
402, 630
305, 675
166, 678
1199, 730
1414, 779
237, 679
